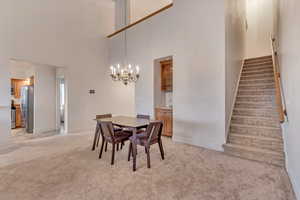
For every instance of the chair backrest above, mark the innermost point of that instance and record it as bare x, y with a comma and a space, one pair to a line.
154, 130
104, 116
107, 130
143, 116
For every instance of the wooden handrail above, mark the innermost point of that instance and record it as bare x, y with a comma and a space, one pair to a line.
141, 20
278, 88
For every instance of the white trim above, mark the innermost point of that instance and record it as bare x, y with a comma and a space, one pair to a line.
295, 185
190, 141
234, 101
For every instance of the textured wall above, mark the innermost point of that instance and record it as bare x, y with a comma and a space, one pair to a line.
192, 31
235, 13
289, 48
69, 34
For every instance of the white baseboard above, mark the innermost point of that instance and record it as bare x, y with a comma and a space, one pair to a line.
41, 131
295, 184
190, 141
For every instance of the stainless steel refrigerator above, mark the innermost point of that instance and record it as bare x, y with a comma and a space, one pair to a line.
27, 107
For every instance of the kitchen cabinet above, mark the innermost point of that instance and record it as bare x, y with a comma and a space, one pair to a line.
166, 116
18, 116
167, 75
16, 85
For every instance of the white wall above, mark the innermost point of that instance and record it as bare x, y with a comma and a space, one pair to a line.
44, 98
235, 50
21, 69
260, 20
142, 8
120, 19
70, 34
289, 31
192, 31
5, 50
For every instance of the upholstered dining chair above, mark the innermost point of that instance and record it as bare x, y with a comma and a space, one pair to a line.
111, 136
151, 136
140, 116
98, 131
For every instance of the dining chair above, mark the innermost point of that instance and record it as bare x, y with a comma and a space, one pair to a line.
111, 136
141, 116
98, 131
151, 136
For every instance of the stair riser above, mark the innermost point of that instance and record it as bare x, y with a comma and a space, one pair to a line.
257, 143
256, 92
255, 64
275, 160
259, 99
254, 106
256, 122
257, 113
257, 68
257, 76
259, 81
257, 87
249, 73
257, 60
272, 133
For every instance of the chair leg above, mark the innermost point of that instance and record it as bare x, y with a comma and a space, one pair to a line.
98, 139
95, 137
148, 157
122, 144
145, 149
161, 149
129, 151
113, 154
118, 147
105, 146
101, 150
134, 149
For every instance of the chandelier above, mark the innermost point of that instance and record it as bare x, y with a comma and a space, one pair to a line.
126, 73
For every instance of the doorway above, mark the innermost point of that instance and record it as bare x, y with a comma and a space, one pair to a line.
61, 101
62, 108
163, 93
36, 94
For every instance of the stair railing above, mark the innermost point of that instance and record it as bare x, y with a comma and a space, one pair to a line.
280, 100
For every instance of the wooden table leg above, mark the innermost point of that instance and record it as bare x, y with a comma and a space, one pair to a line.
96, 136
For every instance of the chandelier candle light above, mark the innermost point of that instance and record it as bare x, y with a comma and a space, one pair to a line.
125, 74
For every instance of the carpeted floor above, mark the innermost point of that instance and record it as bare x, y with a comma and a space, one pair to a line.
64, 168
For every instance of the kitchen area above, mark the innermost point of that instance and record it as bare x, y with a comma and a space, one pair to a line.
35, 107
22, 105
163, 93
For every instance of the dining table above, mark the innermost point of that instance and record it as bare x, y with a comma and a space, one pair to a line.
125, 122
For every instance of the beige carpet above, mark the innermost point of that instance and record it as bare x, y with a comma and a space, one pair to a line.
64, 168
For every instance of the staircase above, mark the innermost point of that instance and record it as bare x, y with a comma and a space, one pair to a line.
255, 131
